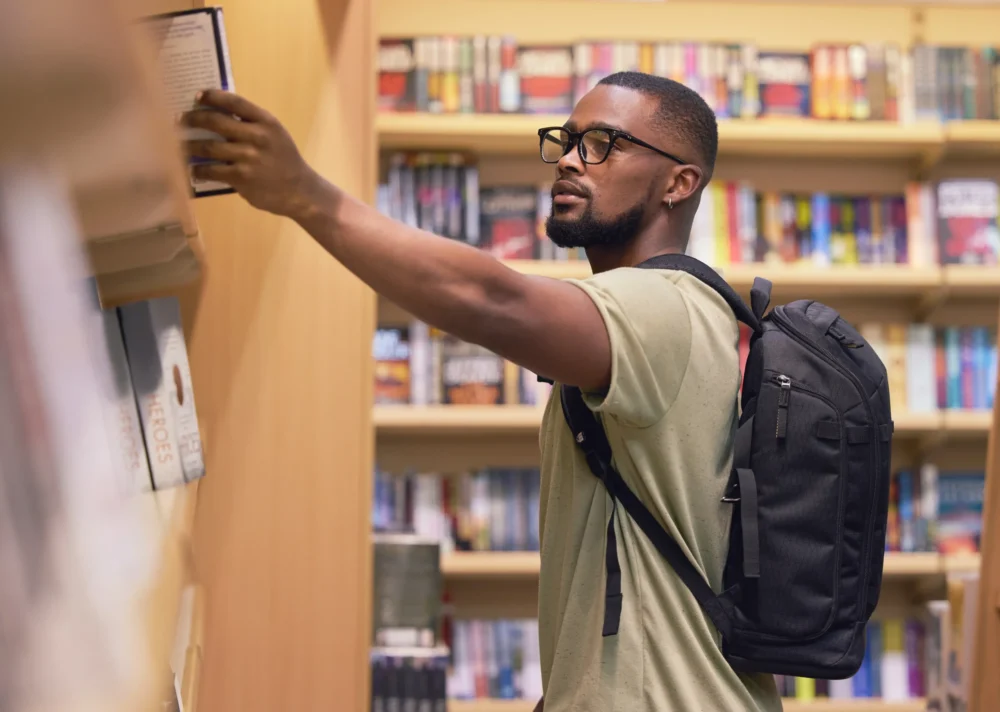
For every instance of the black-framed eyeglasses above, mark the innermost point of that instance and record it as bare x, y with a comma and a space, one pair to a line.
593, 145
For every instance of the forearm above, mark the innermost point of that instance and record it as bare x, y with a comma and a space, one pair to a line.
445, 283
546, 325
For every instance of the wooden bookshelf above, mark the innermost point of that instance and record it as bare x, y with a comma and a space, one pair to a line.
279, 336
873, 157
517, 133
873, 705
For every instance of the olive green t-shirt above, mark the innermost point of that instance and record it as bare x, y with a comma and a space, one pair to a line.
670, 414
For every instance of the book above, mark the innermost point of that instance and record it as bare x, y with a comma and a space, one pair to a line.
161, 377
121, 412
407, 590
193, 54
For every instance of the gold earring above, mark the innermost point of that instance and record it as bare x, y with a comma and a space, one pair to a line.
670, 203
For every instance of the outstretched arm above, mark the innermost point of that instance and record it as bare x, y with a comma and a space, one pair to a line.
548, 326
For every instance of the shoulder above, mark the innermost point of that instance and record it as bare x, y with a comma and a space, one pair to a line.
644, 299
650, 291
649, 327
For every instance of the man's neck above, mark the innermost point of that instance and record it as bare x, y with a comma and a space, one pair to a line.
607, 257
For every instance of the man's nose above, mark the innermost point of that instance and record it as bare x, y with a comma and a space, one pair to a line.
570, 162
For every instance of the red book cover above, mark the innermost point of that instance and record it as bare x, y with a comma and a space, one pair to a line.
508, 221
967, 221
784, 84
396, 65
547, 79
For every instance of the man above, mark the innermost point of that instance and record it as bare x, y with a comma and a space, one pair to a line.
655, 352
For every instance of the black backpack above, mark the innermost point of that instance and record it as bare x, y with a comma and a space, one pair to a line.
809, 491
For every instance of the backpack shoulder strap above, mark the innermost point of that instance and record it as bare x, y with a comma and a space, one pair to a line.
760, 294
593, 442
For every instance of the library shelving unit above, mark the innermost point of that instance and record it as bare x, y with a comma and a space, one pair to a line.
774, 154
82, 104
278, 335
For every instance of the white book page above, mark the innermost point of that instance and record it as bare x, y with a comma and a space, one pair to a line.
188, 57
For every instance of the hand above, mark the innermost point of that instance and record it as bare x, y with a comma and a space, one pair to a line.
258, 157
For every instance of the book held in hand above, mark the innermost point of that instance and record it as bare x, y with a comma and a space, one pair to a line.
193, 55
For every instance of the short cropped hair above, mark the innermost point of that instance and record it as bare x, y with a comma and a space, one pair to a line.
682, 111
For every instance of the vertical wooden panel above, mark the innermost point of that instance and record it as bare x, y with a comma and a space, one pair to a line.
985, 682
280, 341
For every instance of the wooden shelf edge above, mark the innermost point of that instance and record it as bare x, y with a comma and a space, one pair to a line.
789, 705
879, 278
972, 280
456, 418
155, 280
518, 564
479, 564
806, 137
526, 419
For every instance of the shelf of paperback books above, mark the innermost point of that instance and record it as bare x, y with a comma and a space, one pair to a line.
822, 705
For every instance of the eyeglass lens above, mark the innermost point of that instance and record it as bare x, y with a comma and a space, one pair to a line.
595, 144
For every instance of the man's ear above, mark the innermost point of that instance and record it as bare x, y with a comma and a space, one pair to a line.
684, 182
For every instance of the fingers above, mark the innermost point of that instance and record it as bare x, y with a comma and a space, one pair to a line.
218, 172
219, 150
226, 126
233, 104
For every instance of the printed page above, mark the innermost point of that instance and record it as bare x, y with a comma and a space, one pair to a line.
189, 60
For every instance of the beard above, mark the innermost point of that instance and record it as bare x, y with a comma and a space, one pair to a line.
590, 231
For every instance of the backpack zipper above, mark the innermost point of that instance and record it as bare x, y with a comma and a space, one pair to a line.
783, 397
785, 325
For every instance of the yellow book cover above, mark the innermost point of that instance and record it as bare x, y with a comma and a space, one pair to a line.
848, 225
451, 98
803, 226
771, 232
646, 58
895, 365
805, 689
821, 83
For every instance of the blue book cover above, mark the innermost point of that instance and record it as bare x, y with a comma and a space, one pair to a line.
821, 229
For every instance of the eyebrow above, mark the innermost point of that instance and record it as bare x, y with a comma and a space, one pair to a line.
569, 125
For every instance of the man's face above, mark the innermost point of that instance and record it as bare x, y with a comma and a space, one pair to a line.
609, 203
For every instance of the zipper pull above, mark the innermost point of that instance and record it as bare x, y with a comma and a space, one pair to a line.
784, 395
842, 338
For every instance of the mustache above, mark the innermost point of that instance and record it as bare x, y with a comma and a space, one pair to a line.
567, 186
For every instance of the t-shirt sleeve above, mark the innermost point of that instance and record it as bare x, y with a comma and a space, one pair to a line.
647, 320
